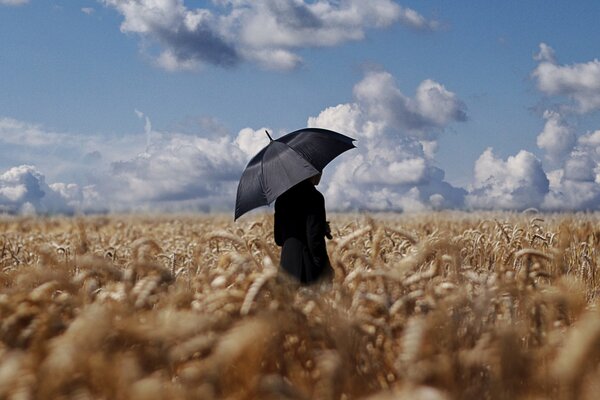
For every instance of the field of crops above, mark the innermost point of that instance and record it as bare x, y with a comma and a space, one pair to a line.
436, 306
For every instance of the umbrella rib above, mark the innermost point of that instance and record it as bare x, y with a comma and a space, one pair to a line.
262, 183
299, 154
302, 156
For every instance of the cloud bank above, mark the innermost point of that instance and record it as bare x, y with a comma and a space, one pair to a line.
265, 32
152, 171
23, 190
515, 184
571, 178
393, 167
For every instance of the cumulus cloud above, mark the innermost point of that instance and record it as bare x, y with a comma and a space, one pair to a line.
576, 185
266, 32
573, 163
176, 169
392, 174
23, 189
380, 108
392, 169
574, 179
88, 10
515, 184
573, 196
432, 107
150, 171
579, 82
179, 171
251, 141
188, 37
557, 138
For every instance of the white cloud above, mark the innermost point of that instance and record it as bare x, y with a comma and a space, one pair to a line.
432, 107
437, 105
169, 61
154, 171
415, 20
392, 168
430, 147
296, 24
13, 131
365, 182
576, 186
252, 141
580, 167
176, 169
274, 59
188, 38
62, 156
515, 184
557, 138
350, 118
13, 2
266, 32
591, 140
546, 53
575, 177
88, 10
390, 162
573, 196
579, 82
23, 189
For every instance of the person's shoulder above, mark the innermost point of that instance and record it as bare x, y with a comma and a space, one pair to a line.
317, 196
280, 202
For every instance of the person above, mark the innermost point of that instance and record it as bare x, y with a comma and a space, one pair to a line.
300, 230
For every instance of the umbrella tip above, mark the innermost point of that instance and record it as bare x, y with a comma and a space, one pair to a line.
270, 138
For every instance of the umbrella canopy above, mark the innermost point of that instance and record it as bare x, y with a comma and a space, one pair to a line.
286, 161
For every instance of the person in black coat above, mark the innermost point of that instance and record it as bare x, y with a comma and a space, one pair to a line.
300, 229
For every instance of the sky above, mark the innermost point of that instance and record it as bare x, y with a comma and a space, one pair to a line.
157, 105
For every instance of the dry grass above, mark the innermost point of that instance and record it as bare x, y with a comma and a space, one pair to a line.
441, 306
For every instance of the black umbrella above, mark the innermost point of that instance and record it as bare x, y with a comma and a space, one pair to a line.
286, 161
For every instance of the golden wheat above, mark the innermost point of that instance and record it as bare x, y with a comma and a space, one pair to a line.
437, 306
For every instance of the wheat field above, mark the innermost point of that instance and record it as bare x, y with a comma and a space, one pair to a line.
427, 306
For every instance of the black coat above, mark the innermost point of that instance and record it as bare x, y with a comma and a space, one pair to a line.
300, 227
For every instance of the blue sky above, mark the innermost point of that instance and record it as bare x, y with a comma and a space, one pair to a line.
138, 98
